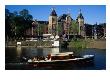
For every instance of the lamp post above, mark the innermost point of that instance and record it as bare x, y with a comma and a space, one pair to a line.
95, 31
68, 30
33, 23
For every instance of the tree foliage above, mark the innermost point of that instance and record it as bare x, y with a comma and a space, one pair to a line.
16, 23
74, 27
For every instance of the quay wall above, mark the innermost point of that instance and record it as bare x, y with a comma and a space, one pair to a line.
100, 44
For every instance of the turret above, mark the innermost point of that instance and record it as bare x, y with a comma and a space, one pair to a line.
80, 20
52, 22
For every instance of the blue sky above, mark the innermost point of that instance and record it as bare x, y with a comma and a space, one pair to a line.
91, 13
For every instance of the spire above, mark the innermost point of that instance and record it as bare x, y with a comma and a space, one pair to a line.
80, 15
53, 13
80, 11
53, 8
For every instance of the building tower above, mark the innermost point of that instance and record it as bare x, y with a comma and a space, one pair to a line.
52, 27
80, 20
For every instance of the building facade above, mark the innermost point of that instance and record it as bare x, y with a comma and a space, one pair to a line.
56, 25
38, 29
65, 22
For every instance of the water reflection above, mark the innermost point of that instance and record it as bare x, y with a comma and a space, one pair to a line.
18, 49
32, 52
55, 50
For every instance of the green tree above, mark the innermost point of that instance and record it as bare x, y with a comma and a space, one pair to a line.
9, 25
59, 28
74, 27
41, 28
17, 23
23, 22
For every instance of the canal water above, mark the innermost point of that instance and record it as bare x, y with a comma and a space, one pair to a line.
15, 55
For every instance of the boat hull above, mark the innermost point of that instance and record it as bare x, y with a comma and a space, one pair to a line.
53, 63
62, 62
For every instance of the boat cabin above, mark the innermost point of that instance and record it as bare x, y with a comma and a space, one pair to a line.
61, 56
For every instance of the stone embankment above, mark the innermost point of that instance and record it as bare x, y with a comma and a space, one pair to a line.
100, 44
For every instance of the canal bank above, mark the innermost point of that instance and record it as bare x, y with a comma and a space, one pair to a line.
98, 44
29, 44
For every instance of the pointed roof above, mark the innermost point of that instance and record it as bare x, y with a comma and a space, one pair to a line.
63, 17
53, 13
80, 15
